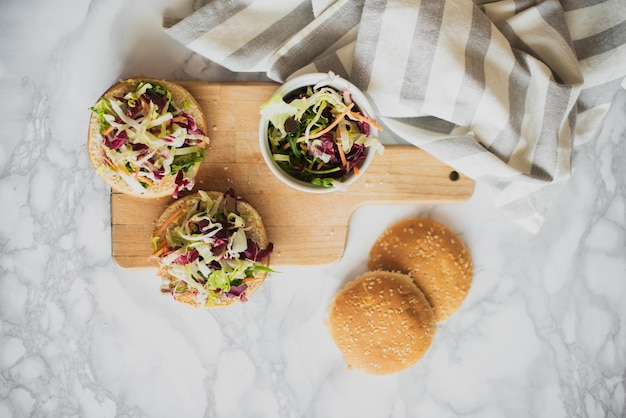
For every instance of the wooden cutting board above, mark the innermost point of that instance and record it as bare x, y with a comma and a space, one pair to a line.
306, 229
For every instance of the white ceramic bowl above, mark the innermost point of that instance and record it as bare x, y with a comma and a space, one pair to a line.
338, 84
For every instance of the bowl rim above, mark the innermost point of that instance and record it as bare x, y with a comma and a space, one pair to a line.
311, 79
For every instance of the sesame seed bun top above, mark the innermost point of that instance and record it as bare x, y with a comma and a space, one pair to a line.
381, 323
433, 255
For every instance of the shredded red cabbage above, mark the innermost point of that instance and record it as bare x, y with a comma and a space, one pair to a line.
254, 253
117, 141
188, 257
158, 100
357, 154
139, 147
364, 127
237, 291
181, 184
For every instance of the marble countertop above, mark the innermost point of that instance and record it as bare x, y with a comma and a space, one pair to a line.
541, 334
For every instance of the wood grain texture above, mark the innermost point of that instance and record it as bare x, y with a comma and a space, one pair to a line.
306, 229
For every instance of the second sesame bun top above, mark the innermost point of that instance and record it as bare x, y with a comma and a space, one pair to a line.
433, 255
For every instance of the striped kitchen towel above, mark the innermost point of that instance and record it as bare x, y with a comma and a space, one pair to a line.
503, 91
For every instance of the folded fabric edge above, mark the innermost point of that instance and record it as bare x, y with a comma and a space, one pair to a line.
525, 200
167, 22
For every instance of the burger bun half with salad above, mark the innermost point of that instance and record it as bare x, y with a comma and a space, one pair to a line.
147, 138
212, 249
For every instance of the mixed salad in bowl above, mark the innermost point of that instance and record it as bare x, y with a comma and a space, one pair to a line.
317, 133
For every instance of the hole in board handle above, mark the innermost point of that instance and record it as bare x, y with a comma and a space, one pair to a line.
454, 175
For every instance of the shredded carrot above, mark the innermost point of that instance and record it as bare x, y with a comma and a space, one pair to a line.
340, 149
122, 168
141, 176
250, 279
356, 170
107, 161
174, 216
366, 120
329, 127
144, 104
108, 130
179, 118
145, 179
160, 250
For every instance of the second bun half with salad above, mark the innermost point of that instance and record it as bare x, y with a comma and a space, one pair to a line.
211, 248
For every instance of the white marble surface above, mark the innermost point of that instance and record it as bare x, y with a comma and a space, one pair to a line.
542, 333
